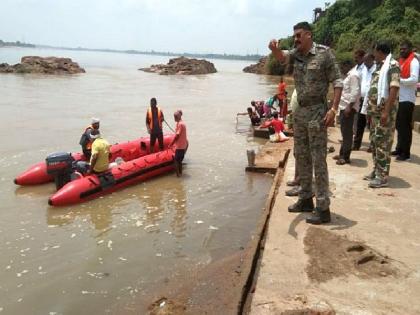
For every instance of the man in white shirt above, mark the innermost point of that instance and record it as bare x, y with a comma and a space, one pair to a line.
349, 106
359, 58
409, 77
366, 77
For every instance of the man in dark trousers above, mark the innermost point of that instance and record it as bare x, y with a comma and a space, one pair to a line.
409, 66
154, 120
349, 106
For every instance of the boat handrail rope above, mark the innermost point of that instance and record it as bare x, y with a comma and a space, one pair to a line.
169, 126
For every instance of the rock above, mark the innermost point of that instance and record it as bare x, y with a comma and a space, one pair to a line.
182, 65
44, 65
258, 68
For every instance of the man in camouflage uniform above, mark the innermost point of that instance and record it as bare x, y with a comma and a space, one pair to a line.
383, 113
314, 68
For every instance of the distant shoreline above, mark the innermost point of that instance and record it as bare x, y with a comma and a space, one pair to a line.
137, 52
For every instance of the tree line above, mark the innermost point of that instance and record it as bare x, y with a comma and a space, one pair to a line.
348, 25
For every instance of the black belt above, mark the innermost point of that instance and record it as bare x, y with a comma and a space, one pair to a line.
312, 102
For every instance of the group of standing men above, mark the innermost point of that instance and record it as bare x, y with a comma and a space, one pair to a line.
314, 68
382, 93
97, 150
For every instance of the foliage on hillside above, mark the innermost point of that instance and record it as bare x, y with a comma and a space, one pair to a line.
352, 24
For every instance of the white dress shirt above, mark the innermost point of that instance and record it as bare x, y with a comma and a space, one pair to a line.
365, 86
408, 86
351, 90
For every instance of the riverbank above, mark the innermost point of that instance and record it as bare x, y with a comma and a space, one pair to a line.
366, 261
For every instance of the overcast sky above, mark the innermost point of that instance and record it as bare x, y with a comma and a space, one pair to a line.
199, 26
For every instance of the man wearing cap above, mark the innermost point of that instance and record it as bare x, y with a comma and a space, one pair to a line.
85, 139
99, 161
154, 120
315, 68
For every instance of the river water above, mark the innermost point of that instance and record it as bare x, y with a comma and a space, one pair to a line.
99, 256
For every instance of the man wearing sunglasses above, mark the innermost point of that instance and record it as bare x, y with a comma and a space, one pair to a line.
315, 68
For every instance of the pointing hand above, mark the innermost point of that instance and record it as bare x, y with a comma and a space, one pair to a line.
273, 45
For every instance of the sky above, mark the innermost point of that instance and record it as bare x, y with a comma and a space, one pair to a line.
196, 26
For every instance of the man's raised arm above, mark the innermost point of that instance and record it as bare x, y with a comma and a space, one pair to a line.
276, 51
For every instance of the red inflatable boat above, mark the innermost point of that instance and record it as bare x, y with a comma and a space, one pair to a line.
37, 173
127, 173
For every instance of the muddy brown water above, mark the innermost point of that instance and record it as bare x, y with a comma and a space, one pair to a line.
90, 257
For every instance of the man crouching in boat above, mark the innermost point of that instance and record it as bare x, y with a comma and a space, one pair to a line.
99, 161
86, 141
179, 142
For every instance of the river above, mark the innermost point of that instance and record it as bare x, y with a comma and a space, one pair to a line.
98, 256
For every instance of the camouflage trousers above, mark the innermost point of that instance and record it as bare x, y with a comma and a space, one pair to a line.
310, 136
381, 139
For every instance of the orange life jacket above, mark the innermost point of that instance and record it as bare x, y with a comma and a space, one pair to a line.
90, 141
150, 117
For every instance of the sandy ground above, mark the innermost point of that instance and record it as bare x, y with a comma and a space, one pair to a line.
366, 261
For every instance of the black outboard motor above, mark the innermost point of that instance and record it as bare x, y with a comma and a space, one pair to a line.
59, 165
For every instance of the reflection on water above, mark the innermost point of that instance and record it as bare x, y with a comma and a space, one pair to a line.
101, 218
171, 199
98, 256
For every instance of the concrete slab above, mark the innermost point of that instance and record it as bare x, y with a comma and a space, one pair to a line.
270, 157
385, 222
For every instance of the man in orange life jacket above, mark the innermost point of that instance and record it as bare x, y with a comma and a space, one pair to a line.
154, 120
86, 141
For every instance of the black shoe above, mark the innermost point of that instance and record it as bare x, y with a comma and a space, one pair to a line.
395, 153
402, 157
293, 192
292, 183
302, 205
319, 216
342, 161
355, 148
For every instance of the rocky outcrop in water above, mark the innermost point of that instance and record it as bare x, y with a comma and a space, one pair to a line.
182, 65
43, 65
258, 68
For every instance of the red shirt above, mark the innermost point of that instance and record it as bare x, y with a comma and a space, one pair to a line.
277, 125
181, 130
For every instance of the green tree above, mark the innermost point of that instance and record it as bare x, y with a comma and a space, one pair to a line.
348, 25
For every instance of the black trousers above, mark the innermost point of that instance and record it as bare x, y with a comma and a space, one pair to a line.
159, 137
87, 153
404, 127
360, 128
346, 125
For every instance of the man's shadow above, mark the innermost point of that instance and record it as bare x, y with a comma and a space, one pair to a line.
338, 222
397, 182
358, 163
